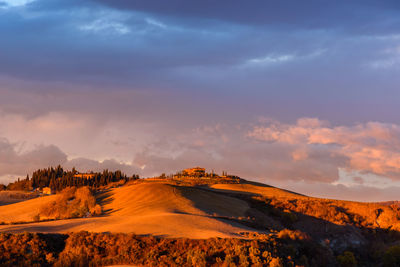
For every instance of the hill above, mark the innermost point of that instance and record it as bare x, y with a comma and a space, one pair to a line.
143, 208
226, 208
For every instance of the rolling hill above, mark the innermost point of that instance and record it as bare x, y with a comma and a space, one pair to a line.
143, 208
201, 209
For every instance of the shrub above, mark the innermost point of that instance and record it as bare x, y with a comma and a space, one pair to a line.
392, 257
97, 210
347, 259
275, 262
196, 258
293, 235
36, 218
289, 218
71, 203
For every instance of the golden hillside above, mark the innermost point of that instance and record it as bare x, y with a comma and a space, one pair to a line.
166, 208
200, 209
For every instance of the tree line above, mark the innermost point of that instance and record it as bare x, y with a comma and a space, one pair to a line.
57, 179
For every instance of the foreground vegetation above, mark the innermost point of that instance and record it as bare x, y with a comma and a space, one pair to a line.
286, 248
96, 249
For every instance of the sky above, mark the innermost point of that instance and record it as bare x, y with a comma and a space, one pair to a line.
297, 94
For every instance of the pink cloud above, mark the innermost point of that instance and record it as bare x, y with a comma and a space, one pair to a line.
371, 147
309, 151
358, 192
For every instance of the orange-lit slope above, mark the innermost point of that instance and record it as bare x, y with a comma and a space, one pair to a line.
158, 209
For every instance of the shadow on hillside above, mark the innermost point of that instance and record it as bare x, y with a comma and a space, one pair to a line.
225, 191
270, 186
103, 198
336, 236
45, 227
244, 182
12, 197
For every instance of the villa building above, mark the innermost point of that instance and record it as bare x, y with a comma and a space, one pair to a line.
197, 171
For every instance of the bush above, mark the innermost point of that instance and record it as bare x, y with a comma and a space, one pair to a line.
36, 218
293, 235
392, 257
289, 218
347, 259
196, 258
275, 262
71, 203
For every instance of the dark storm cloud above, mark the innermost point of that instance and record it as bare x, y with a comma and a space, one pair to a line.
88, 42
252, 55
345, 15
82, 45
51, 47
175, 45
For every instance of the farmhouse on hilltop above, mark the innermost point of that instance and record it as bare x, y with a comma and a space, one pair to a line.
197, 171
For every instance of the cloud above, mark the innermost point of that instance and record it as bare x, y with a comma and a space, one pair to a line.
358, 158
309, 150
84, 164
100, 26
343, 192
389, 58
271, 59
15, 3
124, 45
368, 148
226, 147
288, 14
14, 163
156, 23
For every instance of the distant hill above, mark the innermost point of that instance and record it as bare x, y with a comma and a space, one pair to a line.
390, 203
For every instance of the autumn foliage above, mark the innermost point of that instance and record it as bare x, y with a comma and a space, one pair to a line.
72, 202
100, 249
